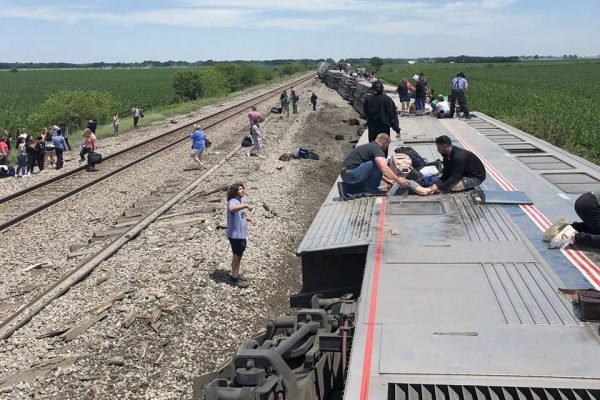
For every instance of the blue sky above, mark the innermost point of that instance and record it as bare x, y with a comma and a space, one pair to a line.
191, 30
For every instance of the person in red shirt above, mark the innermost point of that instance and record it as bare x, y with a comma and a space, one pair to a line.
4, 152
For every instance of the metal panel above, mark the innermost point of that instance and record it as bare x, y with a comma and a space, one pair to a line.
573, 182
521, 148
469, 349
526, 295
415, 208
504, 138
416, 391
544, 162
340, 224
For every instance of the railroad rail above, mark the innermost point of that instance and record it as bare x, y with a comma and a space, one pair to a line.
21, 205
42, 298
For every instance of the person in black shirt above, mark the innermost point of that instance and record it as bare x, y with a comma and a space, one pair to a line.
380, 112
92, 124
462, 169
364, 167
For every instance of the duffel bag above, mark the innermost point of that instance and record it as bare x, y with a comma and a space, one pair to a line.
94, 158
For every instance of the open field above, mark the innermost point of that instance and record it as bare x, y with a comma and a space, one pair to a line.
555, 101
152, 89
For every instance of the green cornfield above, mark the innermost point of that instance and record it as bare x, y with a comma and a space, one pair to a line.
22, 92
551, 100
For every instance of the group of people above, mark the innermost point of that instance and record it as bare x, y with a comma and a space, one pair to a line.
44, 150
425, 100
366, 165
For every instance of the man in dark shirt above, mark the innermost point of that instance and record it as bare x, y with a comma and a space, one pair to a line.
380, 112
462, 169
364, 167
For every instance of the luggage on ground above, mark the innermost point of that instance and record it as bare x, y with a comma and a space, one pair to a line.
94, 158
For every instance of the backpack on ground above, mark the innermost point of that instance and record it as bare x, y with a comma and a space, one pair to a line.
276, 110
247, 141
401, 164
417, 161
307, 154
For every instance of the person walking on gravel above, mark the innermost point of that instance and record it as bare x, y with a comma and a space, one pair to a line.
136, 112
313, 100
116, 125
256, 139
198, 144
285, 103
89, 145
254, 116
237, 231
294, 99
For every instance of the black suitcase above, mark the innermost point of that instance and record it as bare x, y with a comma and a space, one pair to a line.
94, 158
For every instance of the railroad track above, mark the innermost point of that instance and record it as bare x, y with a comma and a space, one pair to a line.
21, 205
173, 193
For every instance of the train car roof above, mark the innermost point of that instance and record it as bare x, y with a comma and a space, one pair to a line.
462, 296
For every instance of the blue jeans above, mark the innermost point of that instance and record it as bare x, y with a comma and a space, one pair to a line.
84, 151
22, 160
364, 178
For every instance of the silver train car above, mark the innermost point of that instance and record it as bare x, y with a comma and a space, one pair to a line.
443, 297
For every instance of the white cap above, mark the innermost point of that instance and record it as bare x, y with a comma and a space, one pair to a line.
415, 77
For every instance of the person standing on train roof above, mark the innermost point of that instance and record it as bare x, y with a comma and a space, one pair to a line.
237, 231
365, 166
458, 91
587, 232
381, 113
462, 169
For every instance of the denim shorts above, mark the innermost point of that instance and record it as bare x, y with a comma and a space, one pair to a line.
405, 97
238, 246
197, 152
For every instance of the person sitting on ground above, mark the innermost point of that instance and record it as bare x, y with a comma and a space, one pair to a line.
442, 108
462, 169
365, 166
199, 139
587, 232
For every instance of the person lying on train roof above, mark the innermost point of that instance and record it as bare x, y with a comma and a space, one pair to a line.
462, 169
364, 168
587, 233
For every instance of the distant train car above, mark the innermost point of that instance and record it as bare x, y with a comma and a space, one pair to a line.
359, 94
346, 86
322, 67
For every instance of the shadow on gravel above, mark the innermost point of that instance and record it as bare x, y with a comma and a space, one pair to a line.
220, 276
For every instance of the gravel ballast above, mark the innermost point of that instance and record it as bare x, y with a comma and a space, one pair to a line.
187, 320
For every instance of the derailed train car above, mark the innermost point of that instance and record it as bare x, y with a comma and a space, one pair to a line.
442, 297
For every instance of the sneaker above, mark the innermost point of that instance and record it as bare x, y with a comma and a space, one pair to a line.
393, 189
241, 277
556, 227
342, 190
563, 238
237, 282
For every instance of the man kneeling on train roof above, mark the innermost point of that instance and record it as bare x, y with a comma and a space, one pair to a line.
364, 167
462, 169
587, 233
